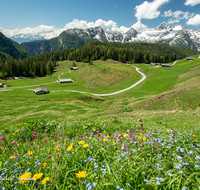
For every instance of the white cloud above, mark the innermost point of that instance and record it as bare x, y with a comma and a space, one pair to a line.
43, 30
192, 2
139, 26
149, 10
195, 21
177, 16
106, 25
49, 32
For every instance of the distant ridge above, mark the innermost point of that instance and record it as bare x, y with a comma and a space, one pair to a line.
74, 38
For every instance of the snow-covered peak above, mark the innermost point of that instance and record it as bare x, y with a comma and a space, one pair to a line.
163, 26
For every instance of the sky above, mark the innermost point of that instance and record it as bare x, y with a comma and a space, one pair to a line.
55, 16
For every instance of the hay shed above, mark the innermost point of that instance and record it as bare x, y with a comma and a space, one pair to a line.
74, 68
190, 58
165, 65
41, 90
65, 81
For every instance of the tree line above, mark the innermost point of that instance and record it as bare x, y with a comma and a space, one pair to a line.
43, 64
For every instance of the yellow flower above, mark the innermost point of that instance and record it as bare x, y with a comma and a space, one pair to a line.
17, 130
194, 136
37, 176
13, 156
108, 136
69, 147
30, 153
85, 145
45, 180
45, 164
125, 135
139, 137
81, 174
81, 142
104, 140
119, 135
24, 177
89, 138
144, 138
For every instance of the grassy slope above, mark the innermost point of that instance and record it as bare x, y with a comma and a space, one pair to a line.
165, 96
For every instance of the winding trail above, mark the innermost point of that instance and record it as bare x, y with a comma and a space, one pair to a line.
109, 94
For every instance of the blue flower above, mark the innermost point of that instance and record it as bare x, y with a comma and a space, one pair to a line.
158, 182
184, 188
182, 150
169, 174
191, 152
94, 184
146, 180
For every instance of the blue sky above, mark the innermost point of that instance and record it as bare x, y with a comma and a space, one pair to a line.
17, 15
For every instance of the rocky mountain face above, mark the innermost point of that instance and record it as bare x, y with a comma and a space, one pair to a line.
164, 33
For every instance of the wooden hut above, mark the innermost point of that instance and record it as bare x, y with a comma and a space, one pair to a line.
74, 68
65, 81
190, 58
165, 65
41, 90
1, 85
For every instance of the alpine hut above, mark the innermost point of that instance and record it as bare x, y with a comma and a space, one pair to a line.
74, 68
65, 81
190, 58
41, 90
165, 65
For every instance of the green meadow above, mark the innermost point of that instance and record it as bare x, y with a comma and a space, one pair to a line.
166, 91
144, 138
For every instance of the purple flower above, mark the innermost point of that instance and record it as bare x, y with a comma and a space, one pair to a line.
35, 133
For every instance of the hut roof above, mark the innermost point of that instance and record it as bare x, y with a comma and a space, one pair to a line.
65, 81
165, 65
190, 58
74, 68
41, 90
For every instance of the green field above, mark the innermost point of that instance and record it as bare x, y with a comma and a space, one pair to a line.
165, 92
146, 138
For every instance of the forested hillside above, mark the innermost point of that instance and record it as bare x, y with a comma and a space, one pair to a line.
124, 52
63, 41
11, 49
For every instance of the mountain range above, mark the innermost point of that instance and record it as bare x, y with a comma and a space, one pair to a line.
74, 38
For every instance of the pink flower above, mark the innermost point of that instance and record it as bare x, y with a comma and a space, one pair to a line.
49, 156
122, 147
3, 138
13, 142
46, 140
35, 133
140, 120
15, 154
142, 144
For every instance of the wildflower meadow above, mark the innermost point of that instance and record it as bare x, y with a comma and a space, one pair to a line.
94, 154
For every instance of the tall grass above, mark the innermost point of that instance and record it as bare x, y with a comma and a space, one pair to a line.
99, 154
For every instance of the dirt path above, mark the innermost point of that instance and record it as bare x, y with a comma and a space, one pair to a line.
109, 94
